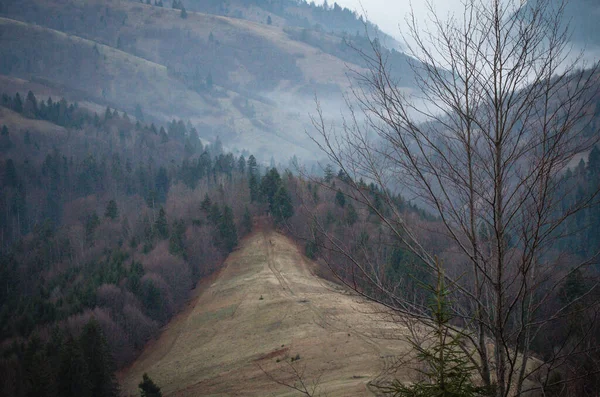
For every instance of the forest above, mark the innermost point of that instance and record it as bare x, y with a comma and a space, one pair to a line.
104, 235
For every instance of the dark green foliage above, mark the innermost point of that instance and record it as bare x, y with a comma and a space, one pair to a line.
161, 225
351, 215
164, 138
447, 370
227, 230
254, 189
241, 165
574, 286
340, 198
40, 379
176, 242
214, 214
311, 249
183, 13
99, 361
247, 220
18, 103
73, 373
282, 207
10, 174
92, 222
161, 185
148, 388
206, 204
112, 211
328, 174
107, 114
269, 185
5, 142
253, 179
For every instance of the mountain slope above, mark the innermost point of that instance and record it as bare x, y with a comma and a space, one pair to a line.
250, 83
266, 307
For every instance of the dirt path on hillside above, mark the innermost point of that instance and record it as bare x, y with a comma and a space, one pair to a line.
263, 308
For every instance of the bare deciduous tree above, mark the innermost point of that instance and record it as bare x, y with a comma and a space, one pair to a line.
501, 111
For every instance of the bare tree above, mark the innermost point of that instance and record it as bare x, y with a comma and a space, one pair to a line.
501, 111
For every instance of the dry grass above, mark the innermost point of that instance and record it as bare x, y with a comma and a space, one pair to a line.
219, 345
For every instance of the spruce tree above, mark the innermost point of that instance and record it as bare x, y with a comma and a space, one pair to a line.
269, 185
161, 225
247, 220
340, 198
18, 104
227, 230
447, 370
282, 207
99, 361
148, 388
112, 211
73, 375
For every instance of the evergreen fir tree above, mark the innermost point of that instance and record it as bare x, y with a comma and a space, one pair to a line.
214, 214
247, 220
206, 204
112, 211
148, 388
227, 230
99, 361
269, 185
351, 214
73, 374
161, 225
18, 104
340, 198
176, 241
447, 369
282, 207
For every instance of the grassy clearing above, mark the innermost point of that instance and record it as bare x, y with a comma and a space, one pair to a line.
217, 346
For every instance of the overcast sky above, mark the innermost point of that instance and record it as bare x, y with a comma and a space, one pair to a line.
389, 13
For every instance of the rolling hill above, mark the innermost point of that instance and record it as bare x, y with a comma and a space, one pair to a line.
243, 331
250, 83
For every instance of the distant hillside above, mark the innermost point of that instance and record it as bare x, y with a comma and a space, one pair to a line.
330, 18
250, 83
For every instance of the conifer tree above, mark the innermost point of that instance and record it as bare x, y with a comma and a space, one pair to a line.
18, 104
227, 230
161, 225
340, 198
206, 204
247, 220
112, 211
282, 207
148, 388
99, 361
73, 374
446, 368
